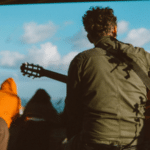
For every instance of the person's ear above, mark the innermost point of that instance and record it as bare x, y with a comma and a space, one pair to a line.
115, 32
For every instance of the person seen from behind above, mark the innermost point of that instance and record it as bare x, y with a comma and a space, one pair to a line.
40, 119
10, 104
104, 106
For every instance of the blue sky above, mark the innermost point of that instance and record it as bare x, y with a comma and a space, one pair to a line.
52, 34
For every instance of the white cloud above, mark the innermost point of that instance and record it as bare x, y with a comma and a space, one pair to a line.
8, 58
122, 27
34, 33
48, 55
45, 56
138, 37
80, 40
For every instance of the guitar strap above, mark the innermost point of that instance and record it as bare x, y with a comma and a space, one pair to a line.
130, 62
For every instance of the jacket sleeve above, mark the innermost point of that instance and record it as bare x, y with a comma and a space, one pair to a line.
73, 102
4, 135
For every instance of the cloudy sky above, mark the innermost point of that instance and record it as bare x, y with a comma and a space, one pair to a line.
52, 34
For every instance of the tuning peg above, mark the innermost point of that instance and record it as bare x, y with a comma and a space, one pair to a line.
25, 63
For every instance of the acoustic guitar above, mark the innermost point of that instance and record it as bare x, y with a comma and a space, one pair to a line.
37, 71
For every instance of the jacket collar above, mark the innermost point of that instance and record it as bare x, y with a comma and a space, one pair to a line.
106, 40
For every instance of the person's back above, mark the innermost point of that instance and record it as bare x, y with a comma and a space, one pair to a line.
105, 97
113, 96
40, 126
36, 126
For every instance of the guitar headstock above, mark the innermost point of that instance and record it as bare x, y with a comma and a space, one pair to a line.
31, 70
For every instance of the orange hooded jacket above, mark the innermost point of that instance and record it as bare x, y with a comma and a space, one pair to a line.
10, 103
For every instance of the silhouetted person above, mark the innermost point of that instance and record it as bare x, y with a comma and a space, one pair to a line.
40, 106
39, 120
105, 98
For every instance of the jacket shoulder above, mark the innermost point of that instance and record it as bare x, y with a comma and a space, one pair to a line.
129, 48
136, 53
83, 55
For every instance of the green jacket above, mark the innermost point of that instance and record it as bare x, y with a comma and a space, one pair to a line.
106, 99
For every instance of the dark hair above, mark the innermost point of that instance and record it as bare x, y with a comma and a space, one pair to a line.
98, 21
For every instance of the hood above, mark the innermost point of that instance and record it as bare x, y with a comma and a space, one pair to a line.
9, 85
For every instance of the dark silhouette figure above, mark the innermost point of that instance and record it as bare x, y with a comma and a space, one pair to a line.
39, 127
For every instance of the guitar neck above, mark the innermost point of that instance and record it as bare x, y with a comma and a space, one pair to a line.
54, 75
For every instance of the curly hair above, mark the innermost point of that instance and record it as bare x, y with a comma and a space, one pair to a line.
99, 21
